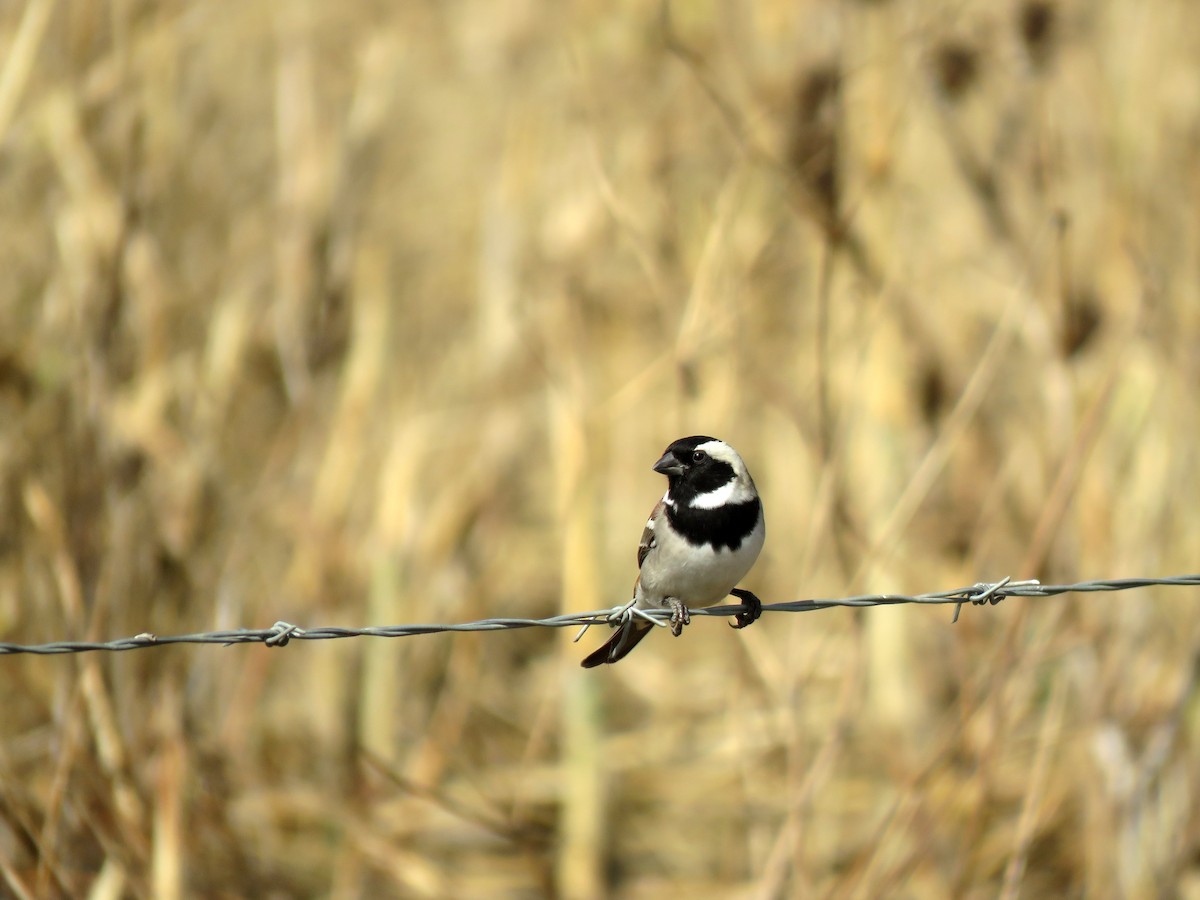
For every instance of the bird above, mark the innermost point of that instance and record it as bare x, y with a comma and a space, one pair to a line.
702, 538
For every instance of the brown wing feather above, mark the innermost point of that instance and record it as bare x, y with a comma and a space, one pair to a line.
646, 544
631, 631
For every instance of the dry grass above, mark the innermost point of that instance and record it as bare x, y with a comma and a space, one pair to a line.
378, 313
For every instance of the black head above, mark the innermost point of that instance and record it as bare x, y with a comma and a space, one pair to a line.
699, 464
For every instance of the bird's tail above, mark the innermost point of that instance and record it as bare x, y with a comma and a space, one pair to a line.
628, 635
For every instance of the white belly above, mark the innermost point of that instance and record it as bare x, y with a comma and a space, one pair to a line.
696, 577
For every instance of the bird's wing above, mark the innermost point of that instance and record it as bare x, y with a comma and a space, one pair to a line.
647, 543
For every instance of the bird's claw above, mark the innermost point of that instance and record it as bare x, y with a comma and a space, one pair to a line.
679, 616
749, 615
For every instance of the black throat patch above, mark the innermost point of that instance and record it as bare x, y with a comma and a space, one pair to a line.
724, 527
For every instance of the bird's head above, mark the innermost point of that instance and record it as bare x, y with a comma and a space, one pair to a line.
704, 472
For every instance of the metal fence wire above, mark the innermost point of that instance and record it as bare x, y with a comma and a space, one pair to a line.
281, 633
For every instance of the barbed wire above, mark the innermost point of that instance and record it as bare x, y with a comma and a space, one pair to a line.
281, 633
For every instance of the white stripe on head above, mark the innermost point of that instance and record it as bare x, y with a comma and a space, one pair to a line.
726, 454
738, 490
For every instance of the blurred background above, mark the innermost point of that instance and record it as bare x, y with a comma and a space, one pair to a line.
379, 313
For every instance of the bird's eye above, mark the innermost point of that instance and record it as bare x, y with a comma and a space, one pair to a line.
699, 456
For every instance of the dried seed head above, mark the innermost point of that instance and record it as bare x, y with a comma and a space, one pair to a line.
1081, 319
1037, 24
955, 68
813, 152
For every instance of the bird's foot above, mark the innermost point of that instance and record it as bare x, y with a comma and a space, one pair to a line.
679, 616
749, 615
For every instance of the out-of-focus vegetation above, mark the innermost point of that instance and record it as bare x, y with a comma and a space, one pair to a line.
370, 313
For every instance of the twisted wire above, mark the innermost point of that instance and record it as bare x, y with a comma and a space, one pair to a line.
281, 633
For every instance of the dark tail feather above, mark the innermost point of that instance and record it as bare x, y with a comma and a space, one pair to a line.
618, 646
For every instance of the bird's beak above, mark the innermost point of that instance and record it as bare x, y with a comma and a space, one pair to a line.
669, 465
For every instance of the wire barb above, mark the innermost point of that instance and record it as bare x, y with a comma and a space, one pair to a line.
284, 632
982, 593
281, 633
